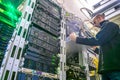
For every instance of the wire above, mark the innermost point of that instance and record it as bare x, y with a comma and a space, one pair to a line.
89, 12
60, 1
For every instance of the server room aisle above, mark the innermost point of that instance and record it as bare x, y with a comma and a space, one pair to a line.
35, 42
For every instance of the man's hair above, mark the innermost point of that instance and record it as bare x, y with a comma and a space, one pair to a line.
99, 15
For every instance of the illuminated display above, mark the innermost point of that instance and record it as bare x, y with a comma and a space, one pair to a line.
8, 14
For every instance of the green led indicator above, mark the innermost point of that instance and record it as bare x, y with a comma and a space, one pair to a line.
53, 56
9, 14
1, 10
12, 15
11, 11
3, 38
53, 63
53, 60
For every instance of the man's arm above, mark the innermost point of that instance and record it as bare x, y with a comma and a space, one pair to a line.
104, 36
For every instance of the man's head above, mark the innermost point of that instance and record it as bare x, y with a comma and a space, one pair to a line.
97, 19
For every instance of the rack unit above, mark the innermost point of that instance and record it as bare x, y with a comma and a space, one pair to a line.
8, 20
4, 38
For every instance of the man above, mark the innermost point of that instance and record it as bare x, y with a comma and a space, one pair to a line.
108, 38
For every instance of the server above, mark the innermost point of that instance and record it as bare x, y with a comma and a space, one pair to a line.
7, 26
41, 51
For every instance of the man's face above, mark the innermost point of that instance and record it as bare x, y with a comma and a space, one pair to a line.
96, 22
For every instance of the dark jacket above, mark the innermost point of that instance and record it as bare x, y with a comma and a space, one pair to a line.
108, 38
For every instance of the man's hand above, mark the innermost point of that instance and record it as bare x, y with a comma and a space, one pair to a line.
73, 36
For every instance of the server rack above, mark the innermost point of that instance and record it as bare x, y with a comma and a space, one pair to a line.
43, 40
8, 20
12, 65
37, 48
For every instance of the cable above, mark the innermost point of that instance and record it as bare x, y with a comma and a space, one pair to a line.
88, 11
